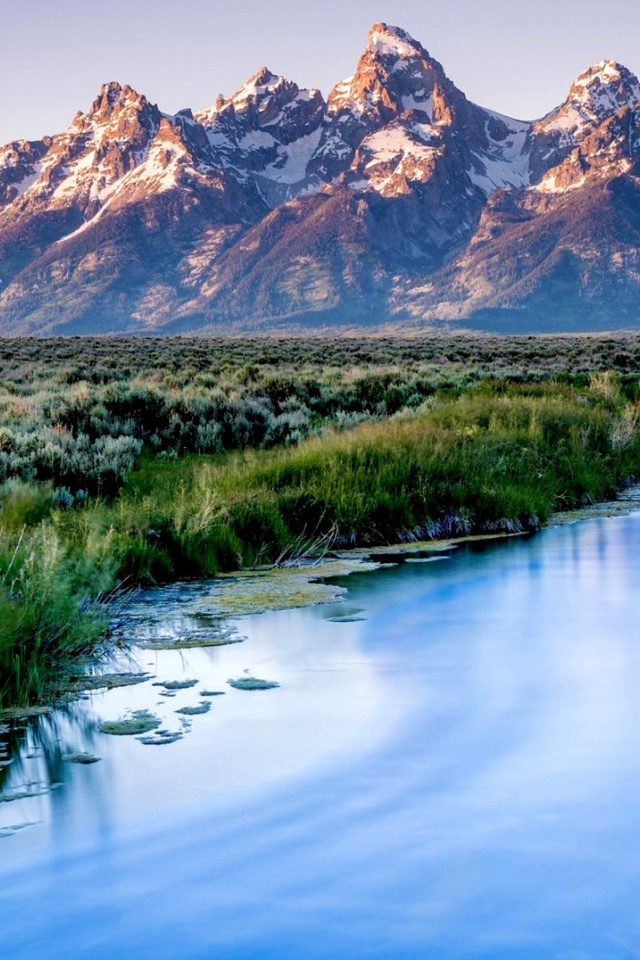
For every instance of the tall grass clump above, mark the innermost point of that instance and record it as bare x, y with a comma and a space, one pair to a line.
49, 595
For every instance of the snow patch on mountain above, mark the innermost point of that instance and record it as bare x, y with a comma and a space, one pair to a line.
505, 161
292, 161
420, 100
396, 141
28, 181
389, 41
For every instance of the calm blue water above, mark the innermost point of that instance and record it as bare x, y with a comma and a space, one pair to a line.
457, 775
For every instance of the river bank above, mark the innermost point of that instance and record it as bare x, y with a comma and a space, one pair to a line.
488, 461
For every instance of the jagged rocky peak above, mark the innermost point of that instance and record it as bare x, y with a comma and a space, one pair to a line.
598, 93
78, 167
267, 132
120, 112
590, 130
605, 88
263, 87
113, 95
265, 100
394, 74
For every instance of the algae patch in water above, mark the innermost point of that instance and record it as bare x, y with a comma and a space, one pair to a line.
614, 508
190, 643
24, 713
188, 615
161, 738
195, 711
105, 681
252, 683
82, 758
257, 591
176, 684
141, 721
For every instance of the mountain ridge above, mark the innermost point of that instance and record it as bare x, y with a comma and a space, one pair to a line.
395, 200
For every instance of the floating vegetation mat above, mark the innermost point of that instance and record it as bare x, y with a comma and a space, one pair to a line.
140, 721
627, 502
105, 681
28, 794
177, 684
25, 713
161, 738
196, 614
195, 711
252, 683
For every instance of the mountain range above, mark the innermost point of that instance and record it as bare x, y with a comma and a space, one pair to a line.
395, 201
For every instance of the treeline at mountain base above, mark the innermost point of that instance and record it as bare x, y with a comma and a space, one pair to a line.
131, 462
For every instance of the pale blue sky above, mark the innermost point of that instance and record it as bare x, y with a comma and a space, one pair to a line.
517, 58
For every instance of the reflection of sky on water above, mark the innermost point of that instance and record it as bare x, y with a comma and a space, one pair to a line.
456, 776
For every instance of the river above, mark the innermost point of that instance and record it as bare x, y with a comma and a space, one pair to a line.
449, 768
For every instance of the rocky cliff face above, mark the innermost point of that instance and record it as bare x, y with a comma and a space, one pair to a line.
397, 199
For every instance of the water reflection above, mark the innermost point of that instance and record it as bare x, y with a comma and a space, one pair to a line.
448, 769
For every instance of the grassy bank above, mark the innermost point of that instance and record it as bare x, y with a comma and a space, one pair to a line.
494, 456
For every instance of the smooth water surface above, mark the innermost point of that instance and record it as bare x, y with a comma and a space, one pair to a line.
453, 771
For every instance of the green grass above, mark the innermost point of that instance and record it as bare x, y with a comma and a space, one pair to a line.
494, 458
